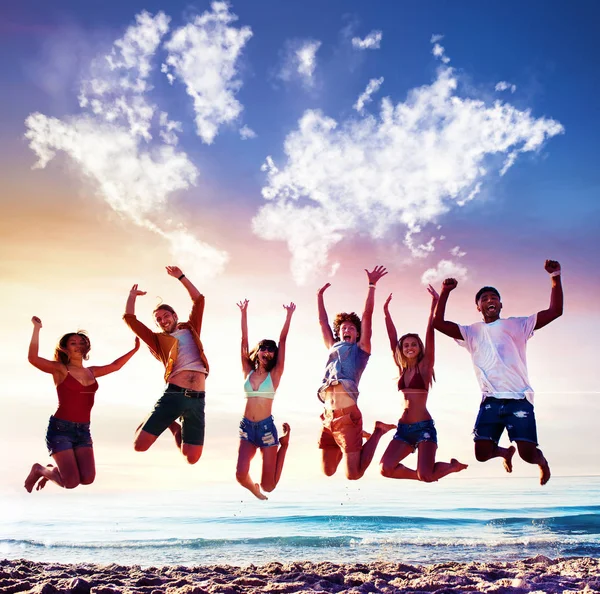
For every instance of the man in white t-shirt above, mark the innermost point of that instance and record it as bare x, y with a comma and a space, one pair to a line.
497, 347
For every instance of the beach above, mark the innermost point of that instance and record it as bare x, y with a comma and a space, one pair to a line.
537, 574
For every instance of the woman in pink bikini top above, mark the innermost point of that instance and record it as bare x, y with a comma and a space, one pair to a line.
416, 429
68, 436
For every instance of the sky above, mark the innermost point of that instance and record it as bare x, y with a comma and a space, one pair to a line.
268, 148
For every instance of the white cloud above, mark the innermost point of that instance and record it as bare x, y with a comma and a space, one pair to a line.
444, 269
457, 252
371, 41
405, 166
505, 86
203, 54
111, 141
300, 61
439, 52
247, 133
365, 97
435, 38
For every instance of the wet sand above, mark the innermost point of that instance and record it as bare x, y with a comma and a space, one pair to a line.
535, 575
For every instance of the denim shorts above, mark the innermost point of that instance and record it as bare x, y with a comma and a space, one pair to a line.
514, 414
262, 434
66, 435
414, 433
178, 403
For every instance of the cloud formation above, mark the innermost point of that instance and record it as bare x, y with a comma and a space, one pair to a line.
371, 41
300, 61
404, 167
111, 141
444, 269
365, 97
505, 86
203, 54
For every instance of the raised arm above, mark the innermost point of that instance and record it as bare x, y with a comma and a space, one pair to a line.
323, 320
42, 364
556, 296
245, 350
389, 326
100, 370
175, 272
278, 369
367, 318
134, 293
439, 323
429, 357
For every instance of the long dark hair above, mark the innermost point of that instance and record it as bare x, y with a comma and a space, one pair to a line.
60, 351
253, 355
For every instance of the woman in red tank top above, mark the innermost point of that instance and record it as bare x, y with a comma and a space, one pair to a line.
416, 429
68, 437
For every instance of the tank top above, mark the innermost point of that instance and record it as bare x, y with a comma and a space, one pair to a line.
75, 401
265, 390
416, 382
345, 365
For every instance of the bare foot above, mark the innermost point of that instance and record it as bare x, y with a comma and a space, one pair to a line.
544, 472
285, 438
510, 452
175, 429
42, 482
456, 466
33, 476
384, 427
258, 493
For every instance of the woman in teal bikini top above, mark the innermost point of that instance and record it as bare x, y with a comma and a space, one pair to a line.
262, 368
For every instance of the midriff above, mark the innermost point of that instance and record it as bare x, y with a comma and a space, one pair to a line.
192, 380
415, 407
336, 397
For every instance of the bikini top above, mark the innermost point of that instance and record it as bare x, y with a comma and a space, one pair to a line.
265, 390
75, 401
416, 382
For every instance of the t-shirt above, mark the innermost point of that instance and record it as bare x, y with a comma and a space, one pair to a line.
345, 365
188, 355
498, 353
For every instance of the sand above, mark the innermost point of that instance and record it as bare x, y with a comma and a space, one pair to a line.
535, 575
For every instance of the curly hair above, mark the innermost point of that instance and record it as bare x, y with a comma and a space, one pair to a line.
253, 354
60, 351
342, 317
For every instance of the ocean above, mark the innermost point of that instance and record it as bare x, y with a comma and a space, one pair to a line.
380, 520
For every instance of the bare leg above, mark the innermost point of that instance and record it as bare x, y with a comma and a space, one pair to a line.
273, 459
358, 462
65, 474
331, 458
533, 455
486, 450
242, 474
390, 466
428, 469
86, 464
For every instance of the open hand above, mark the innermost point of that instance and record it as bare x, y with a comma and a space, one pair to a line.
375, 274
174, 271
387, 301
291, 308
135, 291
434, 294
243, 305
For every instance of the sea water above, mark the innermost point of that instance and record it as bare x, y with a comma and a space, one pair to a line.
382, 520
